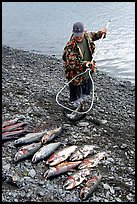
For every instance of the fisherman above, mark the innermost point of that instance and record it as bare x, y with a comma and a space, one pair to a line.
77, 58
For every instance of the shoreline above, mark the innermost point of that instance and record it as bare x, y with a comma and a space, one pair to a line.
60, 59
30, 83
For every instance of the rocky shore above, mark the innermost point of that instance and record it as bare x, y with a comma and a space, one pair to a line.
30, 83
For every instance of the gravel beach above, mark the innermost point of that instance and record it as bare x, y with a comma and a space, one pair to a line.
30, 83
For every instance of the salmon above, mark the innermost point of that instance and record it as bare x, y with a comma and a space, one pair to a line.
13, 127
6, 136
76, 179
90, 186
45, 151
92, 161
27, 151
82, 152
29, 138
61, 168
11, 122
61, 155
51, 134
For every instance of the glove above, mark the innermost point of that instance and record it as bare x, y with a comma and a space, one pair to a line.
104, 31
91, 65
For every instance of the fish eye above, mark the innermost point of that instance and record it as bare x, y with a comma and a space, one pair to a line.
63, 155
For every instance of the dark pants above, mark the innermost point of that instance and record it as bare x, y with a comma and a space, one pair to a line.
77, 92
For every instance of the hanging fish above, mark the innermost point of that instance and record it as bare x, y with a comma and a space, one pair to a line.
13, 127
45, 151
30, 137
76, 178
51, 134
82, 152
61, 168
90, 186
27, 151
61, 155
92, 161
11, 122
6, 136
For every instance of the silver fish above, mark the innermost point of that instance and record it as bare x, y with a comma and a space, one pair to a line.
30, 137
90, 186
45, 151
13, 127
27, 151
82, 152
61, 155
11, 122
51, 134
61, 168
92, 161
76, 178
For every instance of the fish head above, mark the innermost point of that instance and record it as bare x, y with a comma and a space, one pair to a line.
85, 172
45, 137
85, 163
58, 129
36, 156
53, 159
94, 180
83, 193
75, 157
69, 183
72, 157
19, 155
102, 155
18, 141
50, 172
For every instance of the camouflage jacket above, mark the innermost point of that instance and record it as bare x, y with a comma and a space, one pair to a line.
74, 63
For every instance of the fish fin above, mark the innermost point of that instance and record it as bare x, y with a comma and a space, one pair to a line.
45, 175
33, 158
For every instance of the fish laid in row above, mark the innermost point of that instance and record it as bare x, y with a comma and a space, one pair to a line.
11, 122
6, 136
51, 134
13, 127
82, 152
61, 168
76, 178
90, 186
45, 151
30, 137
61, 155
92, 161
27, 151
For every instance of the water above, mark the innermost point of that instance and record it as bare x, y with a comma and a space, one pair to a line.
45, 27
